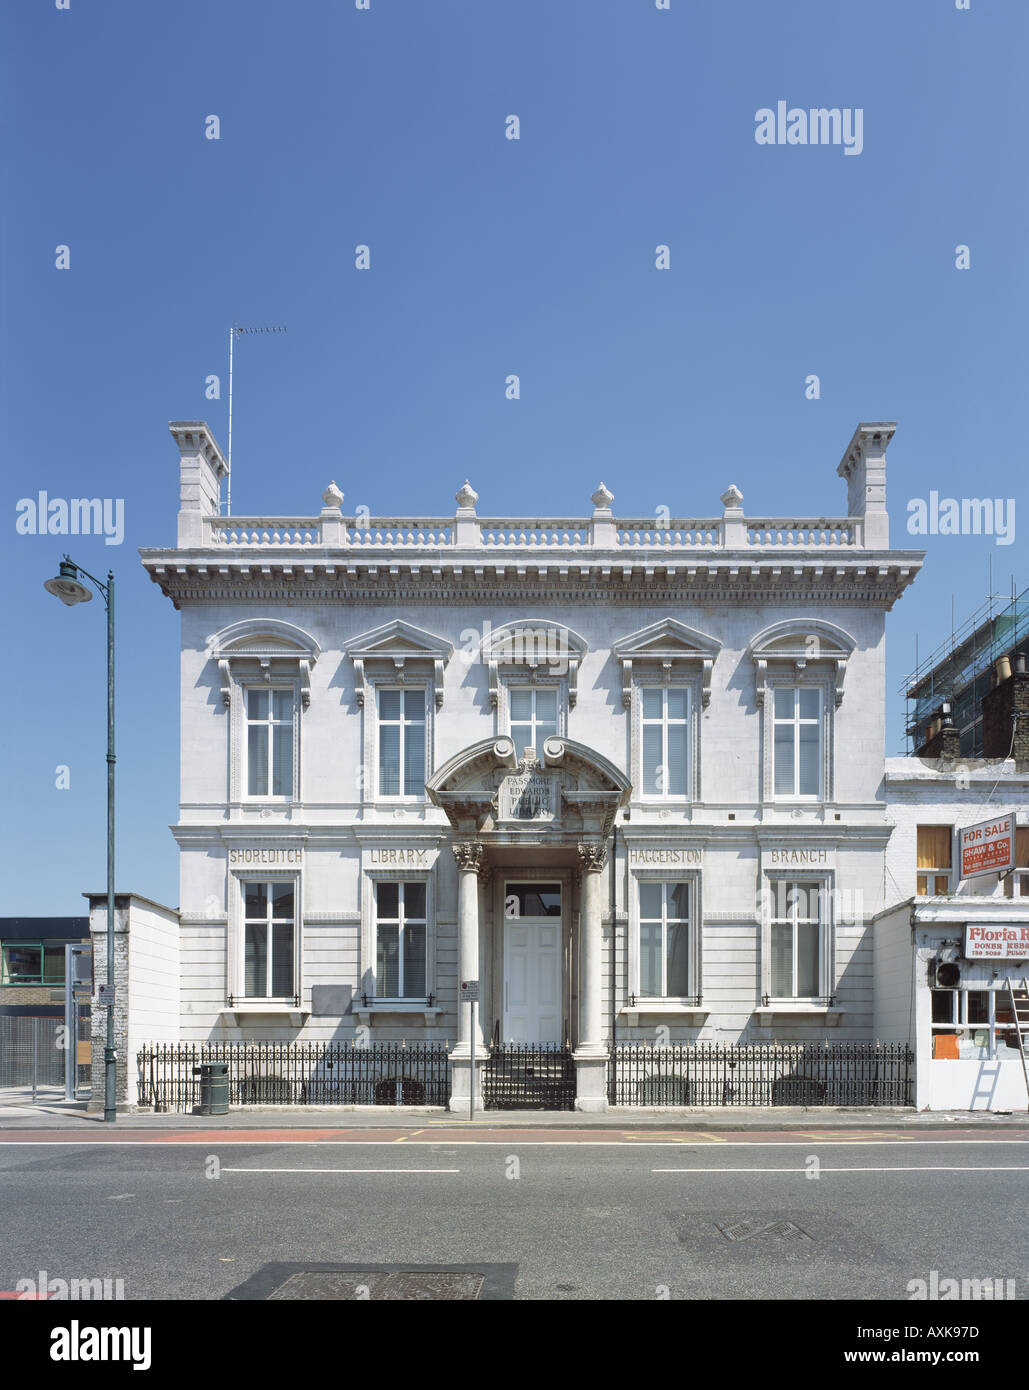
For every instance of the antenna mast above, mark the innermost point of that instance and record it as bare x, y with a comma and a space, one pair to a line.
234, 332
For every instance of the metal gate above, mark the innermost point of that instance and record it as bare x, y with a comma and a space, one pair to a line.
529, 1076
32, 1051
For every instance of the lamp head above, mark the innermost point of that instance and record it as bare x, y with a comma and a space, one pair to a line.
67, 586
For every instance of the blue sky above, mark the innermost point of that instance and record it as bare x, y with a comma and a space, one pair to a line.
489, 257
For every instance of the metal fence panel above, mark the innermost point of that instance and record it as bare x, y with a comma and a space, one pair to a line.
275, 1073
529, 1076
20, 1056
713, 1074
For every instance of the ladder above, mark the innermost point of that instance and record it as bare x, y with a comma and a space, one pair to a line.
1020, 1013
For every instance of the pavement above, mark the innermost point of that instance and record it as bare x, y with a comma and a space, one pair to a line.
17, 1114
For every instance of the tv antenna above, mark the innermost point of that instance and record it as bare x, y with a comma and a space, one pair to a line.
236, 332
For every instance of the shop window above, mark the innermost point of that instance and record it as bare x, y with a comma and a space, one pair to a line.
972, 1024
934, 849
32, 963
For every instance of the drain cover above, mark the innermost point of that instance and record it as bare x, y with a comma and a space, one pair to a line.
377, 1286
313, 1282
762, 1230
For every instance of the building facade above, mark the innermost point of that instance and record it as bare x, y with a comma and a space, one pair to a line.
627, 775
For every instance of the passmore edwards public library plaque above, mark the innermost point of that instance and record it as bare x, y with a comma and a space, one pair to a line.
528, 794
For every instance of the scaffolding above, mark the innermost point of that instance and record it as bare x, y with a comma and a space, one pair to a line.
960, 669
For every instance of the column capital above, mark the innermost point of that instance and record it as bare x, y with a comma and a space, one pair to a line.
470, 856
592, 856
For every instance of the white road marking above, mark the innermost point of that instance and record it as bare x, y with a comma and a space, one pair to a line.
341, 1170
934, 1168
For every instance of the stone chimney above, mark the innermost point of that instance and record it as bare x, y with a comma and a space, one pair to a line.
864, 467
201, 470
942, 740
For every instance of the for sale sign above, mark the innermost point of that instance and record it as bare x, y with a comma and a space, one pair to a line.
996, 941
987, 848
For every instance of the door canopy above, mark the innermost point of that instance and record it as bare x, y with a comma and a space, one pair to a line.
489, 791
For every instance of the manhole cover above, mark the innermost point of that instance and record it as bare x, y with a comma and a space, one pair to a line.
385, 1283
762, 1230
378, 1286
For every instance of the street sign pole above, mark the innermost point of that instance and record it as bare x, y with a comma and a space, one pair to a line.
471, 1088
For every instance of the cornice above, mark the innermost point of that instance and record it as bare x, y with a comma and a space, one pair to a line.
874, 577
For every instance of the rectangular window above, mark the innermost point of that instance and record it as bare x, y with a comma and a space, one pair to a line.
1016, 885
972, 1024
533, 717
664, 939
32, 963
401, 742
400, 939
797, 735
665, 719
269, 742
268, 928
934, 859
798, 918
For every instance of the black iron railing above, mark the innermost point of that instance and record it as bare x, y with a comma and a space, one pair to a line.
529, 1076
275, 1073
848, 1073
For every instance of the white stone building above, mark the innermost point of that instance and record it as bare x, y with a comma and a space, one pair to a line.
628, 776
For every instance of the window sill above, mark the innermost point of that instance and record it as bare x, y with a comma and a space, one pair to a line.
260, 1009
664, 1008
799, 1009
365, 1013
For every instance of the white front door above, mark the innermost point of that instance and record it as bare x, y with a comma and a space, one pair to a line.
532, 972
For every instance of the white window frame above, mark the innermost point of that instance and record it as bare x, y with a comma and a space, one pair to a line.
400, 923
826, 938
556, 684
666, 874
825, 743
237, 938
270, 688
395, 798
665, 723
370, 941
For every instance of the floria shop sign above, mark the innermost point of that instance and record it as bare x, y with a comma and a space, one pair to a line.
996, 941
987, 848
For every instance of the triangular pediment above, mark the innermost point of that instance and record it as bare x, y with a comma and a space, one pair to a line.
398, 639
666, 639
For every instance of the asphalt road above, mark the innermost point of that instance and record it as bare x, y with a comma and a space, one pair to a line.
591, 1220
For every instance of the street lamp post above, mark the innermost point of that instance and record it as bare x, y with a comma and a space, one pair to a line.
70, 590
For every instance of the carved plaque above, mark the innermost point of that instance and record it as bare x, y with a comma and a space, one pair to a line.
528, 795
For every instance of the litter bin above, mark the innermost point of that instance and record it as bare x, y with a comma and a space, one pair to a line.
214, 1087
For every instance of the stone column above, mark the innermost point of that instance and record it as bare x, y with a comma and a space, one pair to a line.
469, 856
591, 1054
